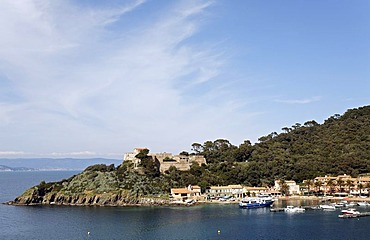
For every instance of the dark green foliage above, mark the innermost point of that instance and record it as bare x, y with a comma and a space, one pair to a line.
340, 145
184, 153
100, 167
150, 167
142, 154
167, 159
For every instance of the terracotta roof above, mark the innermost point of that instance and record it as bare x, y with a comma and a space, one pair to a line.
256, 188
226, 187
235, 186
180, 190
364, 178
140, 149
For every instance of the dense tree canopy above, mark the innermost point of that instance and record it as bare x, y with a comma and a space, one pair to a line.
340, 145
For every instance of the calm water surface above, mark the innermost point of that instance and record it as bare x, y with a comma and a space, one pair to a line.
199, 222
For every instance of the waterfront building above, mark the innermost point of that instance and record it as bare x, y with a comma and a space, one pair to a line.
191, 192
342, 185
255, 191
294, 189
235, 191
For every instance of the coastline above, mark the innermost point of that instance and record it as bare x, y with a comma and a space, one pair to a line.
148, 201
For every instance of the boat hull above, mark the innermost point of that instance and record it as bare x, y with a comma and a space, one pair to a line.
251, 204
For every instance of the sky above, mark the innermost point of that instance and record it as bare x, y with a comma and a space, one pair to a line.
92, 78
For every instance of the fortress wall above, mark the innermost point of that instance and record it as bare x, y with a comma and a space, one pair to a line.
180, 166
161, 156
196, 158
181, 162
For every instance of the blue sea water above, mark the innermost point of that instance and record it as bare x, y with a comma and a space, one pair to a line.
198, 222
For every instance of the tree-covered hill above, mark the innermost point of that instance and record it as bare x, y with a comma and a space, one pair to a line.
340, 145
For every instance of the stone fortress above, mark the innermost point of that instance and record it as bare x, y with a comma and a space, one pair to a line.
166, 160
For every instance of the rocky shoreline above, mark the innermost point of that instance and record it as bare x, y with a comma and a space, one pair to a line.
103, 199
119, 200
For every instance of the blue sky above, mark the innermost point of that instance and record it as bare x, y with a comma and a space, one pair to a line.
99, 78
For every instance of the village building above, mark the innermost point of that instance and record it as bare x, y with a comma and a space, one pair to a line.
166, 160
341, 185
255, 191
235, 191
293, 188
182, 194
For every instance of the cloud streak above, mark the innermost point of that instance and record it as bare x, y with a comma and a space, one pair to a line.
300, 101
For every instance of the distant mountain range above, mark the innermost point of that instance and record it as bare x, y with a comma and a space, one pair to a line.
55, 164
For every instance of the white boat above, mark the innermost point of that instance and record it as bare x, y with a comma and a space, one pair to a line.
327, 207
350, 211
363, 204
339, 205
189, 201
351, 204
292, 209
266, 196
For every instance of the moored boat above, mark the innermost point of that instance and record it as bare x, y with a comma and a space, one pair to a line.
292, 209
351, 204
350, 211
256, 202
327, 207
363, 204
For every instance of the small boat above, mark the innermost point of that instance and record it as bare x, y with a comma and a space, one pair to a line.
350, 211
351, 204
292, 209
190, 201
363, 204
340, 204
327, 207
266, 196
256, 202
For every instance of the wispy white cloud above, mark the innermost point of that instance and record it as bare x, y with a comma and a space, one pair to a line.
88, 83
74, 154
12, 153
299, 101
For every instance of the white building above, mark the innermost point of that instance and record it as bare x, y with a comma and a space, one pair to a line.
293, 187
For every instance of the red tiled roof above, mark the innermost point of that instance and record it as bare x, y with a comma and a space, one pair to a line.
180, 190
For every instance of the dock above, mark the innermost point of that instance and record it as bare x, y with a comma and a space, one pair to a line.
364, 214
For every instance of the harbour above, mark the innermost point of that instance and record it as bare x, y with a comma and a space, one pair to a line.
199, 221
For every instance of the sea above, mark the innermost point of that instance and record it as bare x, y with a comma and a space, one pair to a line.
209, 221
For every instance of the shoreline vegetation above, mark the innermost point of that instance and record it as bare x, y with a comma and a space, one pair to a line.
341, 145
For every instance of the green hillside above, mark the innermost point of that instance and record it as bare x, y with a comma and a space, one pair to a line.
340, 145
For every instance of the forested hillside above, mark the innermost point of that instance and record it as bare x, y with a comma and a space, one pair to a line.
340, 145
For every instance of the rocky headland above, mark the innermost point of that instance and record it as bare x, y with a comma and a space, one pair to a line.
98, 185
